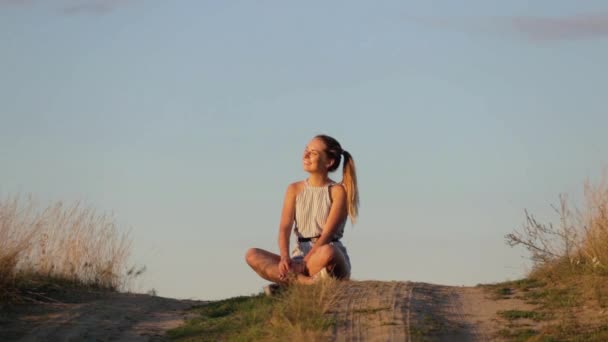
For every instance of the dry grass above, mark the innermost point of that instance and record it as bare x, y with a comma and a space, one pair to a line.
301, 313
594, 247
571, 261
578, 245
61, 242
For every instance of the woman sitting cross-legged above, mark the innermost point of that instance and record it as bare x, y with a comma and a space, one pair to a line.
316, 209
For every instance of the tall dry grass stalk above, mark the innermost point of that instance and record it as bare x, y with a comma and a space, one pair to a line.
594, 246
578, 245
68, 242
302, 311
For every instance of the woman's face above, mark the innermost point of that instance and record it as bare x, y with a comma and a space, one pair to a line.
314, 158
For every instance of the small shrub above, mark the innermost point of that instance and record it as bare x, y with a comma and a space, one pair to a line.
577, 246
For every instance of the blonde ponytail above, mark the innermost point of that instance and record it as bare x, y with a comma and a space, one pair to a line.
349, 176
349, 179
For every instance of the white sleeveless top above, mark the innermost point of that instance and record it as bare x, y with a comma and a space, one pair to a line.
312, 209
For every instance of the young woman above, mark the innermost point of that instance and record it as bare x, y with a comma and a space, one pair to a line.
316, 209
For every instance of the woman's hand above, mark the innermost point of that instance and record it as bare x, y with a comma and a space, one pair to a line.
284, 267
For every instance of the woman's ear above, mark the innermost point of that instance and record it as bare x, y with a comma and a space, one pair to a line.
330, 163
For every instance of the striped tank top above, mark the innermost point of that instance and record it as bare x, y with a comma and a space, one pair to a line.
312, 209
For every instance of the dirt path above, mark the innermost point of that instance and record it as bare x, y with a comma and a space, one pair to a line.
111, 317
364, 311
407, 311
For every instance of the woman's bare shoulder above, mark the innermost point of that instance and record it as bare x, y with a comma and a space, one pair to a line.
295, 187
337, 189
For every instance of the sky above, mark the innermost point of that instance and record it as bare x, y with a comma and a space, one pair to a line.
186, 120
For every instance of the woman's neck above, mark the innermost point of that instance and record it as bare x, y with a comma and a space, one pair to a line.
318, 179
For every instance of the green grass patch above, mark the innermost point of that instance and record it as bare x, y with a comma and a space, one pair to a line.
518, 335
504, 291
528, 283
501, 292
371, 310
511, 315
298, 313
553, 298
569, 331
27, 288
239, 318
507, 289
426, 328
557, 302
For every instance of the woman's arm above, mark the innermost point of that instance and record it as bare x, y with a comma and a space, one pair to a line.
337, 214
287, 218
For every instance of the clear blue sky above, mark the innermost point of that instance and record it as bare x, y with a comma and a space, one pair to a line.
187, 119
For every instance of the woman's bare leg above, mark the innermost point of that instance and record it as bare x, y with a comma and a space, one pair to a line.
330, 257
264, 263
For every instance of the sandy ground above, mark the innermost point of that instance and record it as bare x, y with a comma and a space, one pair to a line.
408, 311
104, 317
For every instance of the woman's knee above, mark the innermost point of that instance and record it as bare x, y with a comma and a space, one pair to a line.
328, 253
252, 255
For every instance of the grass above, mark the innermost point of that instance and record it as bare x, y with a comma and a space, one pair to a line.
508, 289
503, 291
427, 327
518, 335
371, 310
569, 331
59, 244
568, 310
578, 246
569, 280
240, 318
299, 313
511, 315
553, 297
